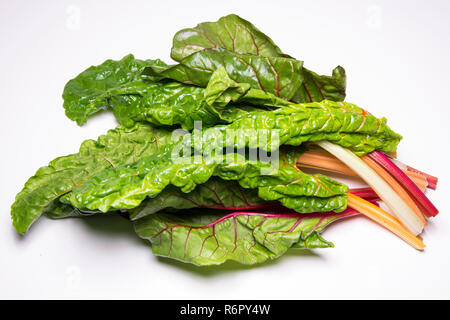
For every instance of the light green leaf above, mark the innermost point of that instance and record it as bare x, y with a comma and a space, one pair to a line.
118, 147
339, 122
127, 186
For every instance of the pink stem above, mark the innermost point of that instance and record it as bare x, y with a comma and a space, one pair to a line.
427, 208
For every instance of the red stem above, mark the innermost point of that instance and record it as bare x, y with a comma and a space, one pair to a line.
427, 208
365, 193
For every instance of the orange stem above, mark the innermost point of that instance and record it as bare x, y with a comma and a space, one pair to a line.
324, 161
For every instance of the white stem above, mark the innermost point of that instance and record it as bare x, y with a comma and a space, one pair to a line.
398, 207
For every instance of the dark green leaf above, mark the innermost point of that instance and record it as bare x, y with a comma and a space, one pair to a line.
277, 75
204, 238
215, 193
239, 35
164, 103
317, 88
230, 32
87, 93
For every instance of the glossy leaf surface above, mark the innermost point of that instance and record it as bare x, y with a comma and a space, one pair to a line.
339, 122
230, 32
277, 75
127, 186
88, 93
239, 35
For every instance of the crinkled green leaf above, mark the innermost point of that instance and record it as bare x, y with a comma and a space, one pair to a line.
277, 75
173, 103
204, 238
215, 193
164, 103
340, 122
127, 186
88, 92
118, 147
190, 104
239, 35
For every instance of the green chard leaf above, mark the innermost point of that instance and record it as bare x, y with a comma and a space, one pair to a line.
277, 75
317, 88
162, 103
340, 122
249, 57
88, 93
173, 103
118, 147
230, 32
205, 238
126, 187
236, 34
214, 194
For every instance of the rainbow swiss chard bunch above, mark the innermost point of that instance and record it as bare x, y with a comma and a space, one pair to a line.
208, 159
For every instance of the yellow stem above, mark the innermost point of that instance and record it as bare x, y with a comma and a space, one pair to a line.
384, 219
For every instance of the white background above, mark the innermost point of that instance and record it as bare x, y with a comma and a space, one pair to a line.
396, 54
